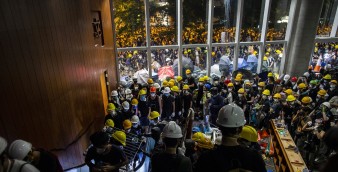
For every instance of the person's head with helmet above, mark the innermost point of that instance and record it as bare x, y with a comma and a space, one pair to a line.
111, 109
277, 98
135, 121
240, 93
265, 94
216, 81
109, 123
119, 138
286, 78
129, 94
306, 100
153, 91
150, 82
230, 87
125, 106
261, 86
127, 125
179, 79
294, 80
327, 78
154, 117
230, 121
188, 73
302, 87
313, 84
248, 136
166, 92
165, 83
142, 95
321, 95
207, 87
201, 81
247, 86
176, 91
290, 99
171, 135
114, 95
6, 163
186, 89
333, 84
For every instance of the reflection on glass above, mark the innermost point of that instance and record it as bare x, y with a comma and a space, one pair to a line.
324, 54
129, 22
278, 19
164, 64
195, 21
131, 63
248, 58
326, 18
221, 63
224, 23
163, 22
194, 59
273, 57
253, 11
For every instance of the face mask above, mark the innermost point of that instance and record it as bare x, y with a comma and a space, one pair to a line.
264, 97
135, 125
152, 122
285, 80
224, 91
200, 83
136, 88
333, 86
229, 89
247, 90
188, 75
166, 94
237, 83
240, 95
100, 150
112, 113
276, 100
125, 109
185, 92
143, 98
321, 87
292, 103
325, 81
216, 83
259, 88
293, 83
152, 94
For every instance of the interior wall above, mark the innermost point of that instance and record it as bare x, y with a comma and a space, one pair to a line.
50, 71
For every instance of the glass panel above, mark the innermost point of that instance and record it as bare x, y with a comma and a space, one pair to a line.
163, 22
273, 57
278, 20
129, 23
221, 63
325, 51
130, 62
224, 25
164, 63
195, 21
248, 58
194, 59
326, 18
253, 11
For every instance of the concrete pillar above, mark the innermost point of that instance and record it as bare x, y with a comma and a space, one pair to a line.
301, 43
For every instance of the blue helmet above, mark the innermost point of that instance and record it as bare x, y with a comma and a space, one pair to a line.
196, 129
207, 86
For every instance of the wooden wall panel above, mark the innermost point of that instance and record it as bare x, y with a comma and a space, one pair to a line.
51, 93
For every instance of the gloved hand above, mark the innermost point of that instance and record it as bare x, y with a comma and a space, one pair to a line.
173, 114
181, 150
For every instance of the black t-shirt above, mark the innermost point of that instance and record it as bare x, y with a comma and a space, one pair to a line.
143, 108
187, 99
154, 104
226, 158
164, 162
48, 162
113, 157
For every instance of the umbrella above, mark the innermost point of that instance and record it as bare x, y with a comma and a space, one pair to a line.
214, 71
224, 60
242, 64
142, 76
252, 59
164, 72
186, 64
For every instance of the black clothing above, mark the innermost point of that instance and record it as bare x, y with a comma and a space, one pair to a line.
191, 81
48, 162
154, 104
143, 108
313, 93
164, 162
287, 84
113, 157
216, 103
332, 93
178, 104
167, 108
187, 99
225, 158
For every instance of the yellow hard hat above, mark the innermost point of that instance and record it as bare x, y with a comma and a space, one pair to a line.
239, 75
278, 52
206, 78
267, 53
202, 141
186, 87
165, 83
265, 58
249, 133
306, 100
153, 115
171, 84
266, 92
240, 91
142, 92
336, 46
277, 96
109, 122
327, 77
175, 89
321, 92
248, 83
126, 124
150, 81
179, 78
134, 102
288, 91
230, 84
185, 52
135, 52
120, 136
111, 107
290, 98
130, 56
261, 84
238, 79
270, 74
301, 86
188, 71
201, 79
333, 81
172, 80
213, 53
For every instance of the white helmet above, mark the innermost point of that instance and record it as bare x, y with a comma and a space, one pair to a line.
157, 86
286, 77
167, 59
327, 104
123, 83
172, 130
134, 77
114, 93
125, 105
19, 149
3, 144
231, 116
166, 90
306, 74
128, 91
134, 119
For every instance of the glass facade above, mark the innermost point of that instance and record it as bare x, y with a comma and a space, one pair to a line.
243, 35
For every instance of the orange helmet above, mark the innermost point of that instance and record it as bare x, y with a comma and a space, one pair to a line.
152, 89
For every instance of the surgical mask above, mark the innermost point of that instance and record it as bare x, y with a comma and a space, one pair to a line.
189, 75
124, 109
166, 94
152, 94
247, 90
293, 83
152, 122
200, 83
321, 87
114, 97
135, 125
237, 83
229, 89
224, 91
333, 86
185, 92
112, 113
285, 80
292, 103
240, 95
325, 81
264, 97
259, 88
143, 98
276, 100
216, 83
136, 88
